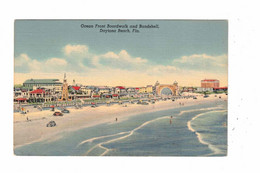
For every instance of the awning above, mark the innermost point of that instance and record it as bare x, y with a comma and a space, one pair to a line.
21, 99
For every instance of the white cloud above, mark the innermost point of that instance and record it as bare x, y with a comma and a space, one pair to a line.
121, 68
95, 61
111, 55
123, 55
81, 50
23, 63
56, 62
202, 62
21, 60
122, 60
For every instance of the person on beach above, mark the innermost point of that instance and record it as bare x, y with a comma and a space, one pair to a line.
116, 119
171, 120
27, 118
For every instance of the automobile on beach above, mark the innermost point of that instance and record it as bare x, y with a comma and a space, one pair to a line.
51, 124
57, 114
78, 106
145, 103
65, 111
93, 105
139, 102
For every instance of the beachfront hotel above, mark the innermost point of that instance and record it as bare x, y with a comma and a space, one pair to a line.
210, 83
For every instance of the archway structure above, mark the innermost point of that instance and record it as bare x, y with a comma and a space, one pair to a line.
173, 88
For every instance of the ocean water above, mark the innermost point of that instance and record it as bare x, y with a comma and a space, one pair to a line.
199, 130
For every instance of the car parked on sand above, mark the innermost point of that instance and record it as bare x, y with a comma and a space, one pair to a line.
145, 103
57, 114
65, 111
51, 124
139, 102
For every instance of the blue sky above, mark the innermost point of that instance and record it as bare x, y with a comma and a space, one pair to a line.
47, 47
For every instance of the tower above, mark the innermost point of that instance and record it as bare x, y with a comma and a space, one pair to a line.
176, 88
65, 92
155, 87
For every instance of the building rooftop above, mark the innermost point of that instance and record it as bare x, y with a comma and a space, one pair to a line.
42, 81
38, 91
120, 87
221, 88
210, 80
76, 88
21, 99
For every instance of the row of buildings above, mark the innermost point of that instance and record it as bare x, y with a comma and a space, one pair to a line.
210, 85
44, 90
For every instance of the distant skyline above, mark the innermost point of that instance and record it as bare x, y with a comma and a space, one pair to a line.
185, 51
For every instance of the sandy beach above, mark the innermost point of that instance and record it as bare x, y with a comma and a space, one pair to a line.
26, 132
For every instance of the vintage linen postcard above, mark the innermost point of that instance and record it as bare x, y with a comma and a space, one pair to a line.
120, 87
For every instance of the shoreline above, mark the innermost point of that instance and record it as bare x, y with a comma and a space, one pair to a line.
27, 132
214, 149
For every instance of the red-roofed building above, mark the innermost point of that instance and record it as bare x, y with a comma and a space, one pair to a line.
120, 87
96, 96
21, 100
38, 91
220, 89
210, 83
40, 95
114, 95
76, 88
119, 90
